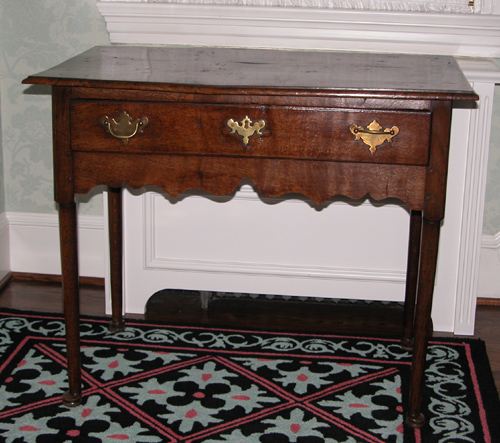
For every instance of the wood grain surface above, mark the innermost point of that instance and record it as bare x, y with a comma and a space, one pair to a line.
189, 68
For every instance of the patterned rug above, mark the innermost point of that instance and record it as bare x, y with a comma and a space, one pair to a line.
171, 383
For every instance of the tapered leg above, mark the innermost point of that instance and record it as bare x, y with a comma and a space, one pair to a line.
411, 279
116, 251
69, 260
427, 273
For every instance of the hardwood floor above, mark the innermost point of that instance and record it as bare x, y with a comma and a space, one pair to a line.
277, 314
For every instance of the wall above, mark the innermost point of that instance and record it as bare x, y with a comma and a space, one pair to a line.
36, 34
489, 277
2, 191
4, 225
492, 202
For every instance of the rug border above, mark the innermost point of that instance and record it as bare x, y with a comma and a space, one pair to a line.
478, 352
144, 322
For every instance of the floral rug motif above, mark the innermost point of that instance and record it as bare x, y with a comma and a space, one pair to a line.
173, 383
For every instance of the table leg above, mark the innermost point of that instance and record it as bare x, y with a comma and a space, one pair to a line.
115, 252
427, 273
69, 261
411, 279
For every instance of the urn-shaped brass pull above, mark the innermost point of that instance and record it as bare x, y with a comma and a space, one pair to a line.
246, 128
124, 127
374, 135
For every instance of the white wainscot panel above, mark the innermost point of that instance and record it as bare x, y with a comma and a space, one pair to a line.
252, 245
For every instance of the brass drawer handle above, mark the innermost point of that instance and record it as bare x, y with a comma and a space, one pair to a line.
123, 127
246, 128
374, 135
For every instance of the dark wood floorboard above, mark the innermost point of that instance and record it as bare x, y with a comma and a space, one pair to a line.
261, 313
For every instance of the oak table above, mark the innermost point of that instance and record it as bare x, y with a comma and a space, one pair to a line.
317, 123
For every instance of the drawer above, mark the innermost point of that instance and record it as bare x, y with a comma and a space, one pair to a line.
380, 136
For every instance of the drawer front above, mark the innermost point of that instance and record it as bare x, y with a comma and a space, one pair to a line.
380, 136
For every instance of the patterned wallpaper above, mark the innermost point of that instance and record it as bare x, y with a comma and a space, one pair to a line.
2, 192
492, 203
37, 34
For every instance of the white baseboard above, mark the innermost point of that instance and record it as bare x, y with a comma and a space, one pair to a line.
34, 244
4, 246
489, 268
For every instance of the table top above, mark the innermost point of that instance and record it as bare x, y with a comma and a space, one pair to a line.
205, 70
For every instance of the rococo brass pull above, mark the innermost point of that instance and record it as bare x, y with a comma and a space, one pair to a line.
123, 126
246, 128
374, 135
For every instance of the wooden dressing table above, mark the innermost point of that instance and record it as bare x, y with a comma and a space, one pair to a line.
319, 124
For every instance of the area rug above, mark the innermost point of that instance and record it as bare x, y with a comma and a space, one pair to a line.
181, 383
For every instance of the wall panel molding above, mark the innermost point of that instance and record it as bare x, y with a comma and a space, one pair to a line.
473, 35
156, 259
30, 225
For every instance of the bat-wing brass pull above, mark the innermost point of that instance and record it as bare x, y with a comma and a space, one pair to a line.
123, 126
374, 135
246, 128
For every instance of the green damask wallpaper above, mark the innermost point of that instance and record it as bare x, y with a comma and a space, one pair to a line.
35, 35
492, 203
2, 192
